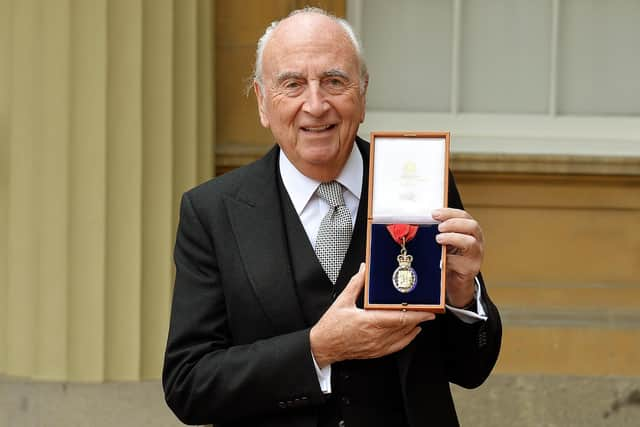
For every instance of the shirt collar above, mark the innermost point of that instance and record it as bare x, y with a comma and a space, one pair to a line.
301, 188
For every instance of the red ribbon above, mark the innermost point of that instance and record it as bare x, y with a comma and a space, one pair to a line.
398, 231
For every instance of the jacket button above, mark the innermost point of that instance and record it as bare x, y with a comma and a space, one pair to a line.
346, 401
341, 423
282, 405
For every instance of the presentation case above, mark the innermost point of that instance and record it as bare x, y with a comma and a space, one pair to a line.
408, 179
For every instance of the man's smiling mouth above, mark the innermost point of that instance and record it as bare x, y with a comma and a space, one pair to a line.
317, 128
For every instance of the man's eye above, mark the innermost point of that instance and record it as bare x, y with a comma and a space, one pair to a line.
334, 85
291, 85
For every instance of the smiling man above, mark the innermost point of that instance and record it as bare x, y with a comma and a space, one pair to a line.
311, 93
266, 325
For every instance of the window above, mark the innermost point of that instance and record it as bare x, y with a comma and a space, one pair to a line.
545, 76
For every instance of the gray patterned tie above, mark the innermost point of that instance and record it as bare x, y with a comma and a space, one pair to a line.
335, 230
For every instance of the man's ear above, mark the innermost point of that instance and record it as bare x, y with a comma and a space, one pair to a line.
364, 98
260, 99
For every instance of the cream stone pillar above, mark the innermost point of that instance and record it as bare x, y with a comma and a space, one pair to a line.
106, 117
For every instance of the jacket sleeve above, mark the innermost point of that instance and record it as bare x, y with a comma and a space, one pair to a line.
470, 350
206, 377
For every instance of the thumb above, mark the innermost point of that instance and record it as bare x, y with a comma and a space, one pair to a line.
354, 287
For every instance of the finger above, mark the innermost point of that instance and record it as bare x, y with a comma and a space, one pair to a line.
418, 317
444, 214
461, 225
464, 266
354, 287
411, 322
386, 319
415, 317
464, 243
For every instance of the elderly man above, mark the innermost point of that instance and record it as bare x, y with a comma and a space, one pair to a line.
262, 332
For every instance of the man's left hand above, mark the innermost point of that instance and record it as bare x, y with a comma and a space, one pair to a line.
463, 238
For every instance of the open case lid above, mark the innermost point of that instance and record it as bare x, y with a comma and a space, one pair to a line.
409, 176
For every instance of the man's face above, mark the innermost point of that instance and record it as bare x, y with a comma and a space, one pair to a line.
311, 98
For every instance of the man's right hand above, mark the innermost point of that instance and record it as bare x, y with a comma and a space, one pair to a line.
347, 332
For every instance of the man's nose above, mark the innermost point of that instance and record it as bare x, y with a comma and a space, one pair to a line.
315, 103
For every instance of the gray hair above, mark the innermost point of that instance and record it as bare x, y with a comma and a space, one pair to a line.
348, 29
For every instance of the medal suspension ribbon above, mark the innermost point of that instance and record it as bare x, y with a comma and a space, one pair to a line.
402, 234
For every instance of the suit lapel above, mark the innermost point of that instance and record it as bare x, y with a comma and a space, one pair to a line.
256, 219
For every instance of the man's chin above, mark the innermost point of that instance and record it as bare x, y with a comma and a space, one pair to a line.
321, 156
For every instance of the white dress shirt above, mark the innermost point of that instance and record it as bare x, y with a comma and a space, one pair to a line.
311, 209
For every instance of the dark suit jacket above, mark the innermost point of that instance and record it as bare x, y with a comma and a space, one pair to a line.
238, 351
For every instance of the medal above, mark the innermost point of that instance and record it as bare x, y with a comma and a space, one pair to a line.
404, 277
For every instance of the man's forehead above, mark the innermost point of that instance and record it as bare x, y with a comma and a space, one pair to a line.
311, 24
312, 46
310, 32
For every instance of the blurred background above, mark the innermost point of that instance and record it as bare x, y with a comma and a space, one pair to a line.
110, 109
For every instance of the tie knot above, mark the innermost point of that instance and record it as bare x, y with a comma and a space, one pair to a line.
331, 192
